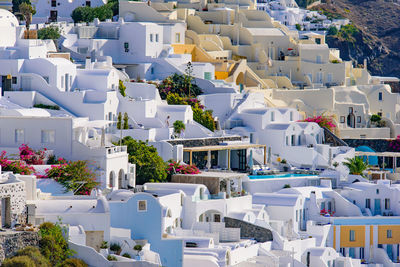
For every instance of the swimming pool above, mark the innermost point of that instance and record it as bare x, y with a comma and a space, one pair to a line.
283, 175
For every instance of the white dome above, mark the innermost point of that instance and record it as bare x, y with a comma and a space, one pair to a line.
7, 19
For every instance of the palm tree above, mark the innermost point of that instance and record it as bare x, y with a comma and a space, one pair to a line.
356, 165
27, 11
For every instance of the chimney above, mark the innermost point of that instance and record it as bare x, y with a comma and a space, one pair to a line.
88, 63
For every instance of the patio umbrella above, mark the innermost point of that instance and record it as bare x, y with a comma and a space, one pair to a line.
251, 163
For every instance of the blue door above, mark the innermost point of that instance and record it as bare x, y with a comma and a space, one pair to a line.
352, 253
389, 250
377, 207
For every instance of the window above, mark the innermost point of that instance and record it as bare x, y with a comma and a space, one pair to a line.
53, 3
48, 136
272, 116
342, 119
322, 205
151, 37
380, 96
387, 203
157, 37
88, 3
358, 119
319, 59
362, 254
19, 136
291, 116
293, 140
14, 80
350, 110
368, 203
377, 191
297, 215
142, 205
126, 46
152, 70
352, 235
343, 251
287, 140
177, 37
389, 233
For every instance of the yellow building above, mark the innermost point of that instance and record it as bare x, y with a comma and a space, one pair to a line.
366, 238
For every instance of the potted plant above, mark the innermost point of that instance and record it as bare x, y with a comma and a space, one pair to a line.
104, 248
111, 258
116, 248
137, 249
284, 164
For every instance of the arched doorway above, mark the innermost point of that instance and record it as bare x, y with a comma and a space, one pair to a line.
111, 181
121, 175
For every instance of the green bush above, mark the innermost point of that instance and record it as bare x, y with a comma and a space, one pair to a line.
82, 14
19, 261
298, 27
111, 258
126, 255
103, 12
115, 247
180, 84
52, 32
204, 117
178, 126
53, 107
73, 262
375, 118
332, 30
104, 245
150, 167
137, 247
34, 254
53, 244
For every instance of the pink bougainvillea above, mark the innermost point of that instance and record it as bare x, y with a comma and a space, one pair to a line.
30, 156
15, 166
176, 167
323, 121
394, 145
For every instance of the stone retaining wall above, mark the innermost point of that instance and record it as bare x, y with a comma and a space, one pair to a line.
12, 241
379, 145
249, 230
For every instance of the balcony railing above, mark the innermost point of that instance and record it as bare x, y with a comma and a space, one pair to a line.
116, 149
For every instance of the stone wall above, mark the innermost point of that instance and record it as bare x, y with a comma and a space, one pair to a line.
12, 241
249, 230
14, 190
214, 141
379, 145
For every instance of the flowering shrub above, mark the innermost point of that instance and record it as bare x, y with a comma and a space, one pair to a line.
30, 156
175, 167
179, 84
322, 121
394, 145
75, 176
15, 166
324, 212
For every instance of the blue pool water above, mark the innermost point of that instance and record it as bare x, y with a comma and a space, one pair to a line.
285, 175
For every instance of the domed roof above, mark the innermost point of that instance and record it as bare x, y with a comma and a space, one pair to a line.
7, 18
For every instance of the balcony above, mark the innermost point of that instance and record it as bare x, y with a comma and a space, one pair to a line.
116, 149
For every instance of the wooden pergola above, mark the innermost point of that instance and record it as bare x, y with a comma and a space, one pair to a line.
228, 147
384, 155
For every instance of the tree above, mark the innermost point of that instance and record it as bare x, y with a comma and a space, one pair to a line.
126, 121
52, 32
83, 14
53, 244
150, 167
332, 31
122, 88
188, 76
298, 27
355, 165
103, 12
27, 11
178, 126
119, 121
16, 3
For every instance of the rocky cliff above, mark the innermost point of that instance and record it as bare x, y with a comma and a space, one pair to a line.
378, 35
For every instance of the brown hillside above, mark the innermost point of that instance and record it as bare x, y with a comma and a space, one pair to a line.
379, 38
